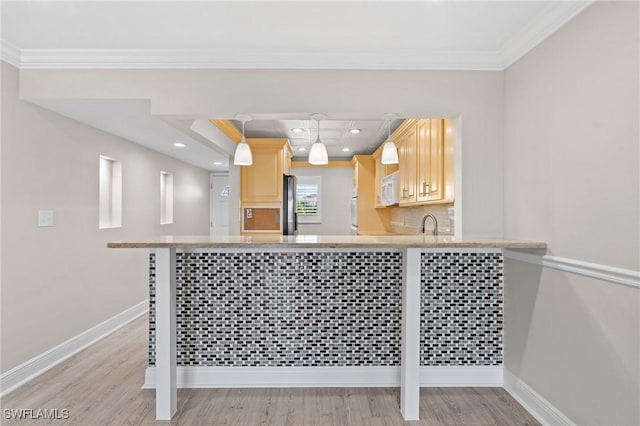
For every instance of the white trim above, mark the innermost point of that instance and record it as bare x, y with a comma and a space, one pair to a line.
410, 352
548, 21
10, 54
239, 58
535, 404
21, 374
166, 394
458, 376
626, 277
265, 377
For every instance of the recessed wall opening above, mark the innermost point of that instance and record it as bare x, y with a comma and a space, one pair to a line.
110, 193
166, 198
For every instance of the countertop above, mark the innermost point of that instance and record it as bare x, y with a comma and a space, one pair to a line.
324, 241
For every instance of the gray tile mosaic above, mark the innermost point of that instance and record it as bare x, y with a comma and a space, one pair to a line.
286, 309
331, 309
461, 309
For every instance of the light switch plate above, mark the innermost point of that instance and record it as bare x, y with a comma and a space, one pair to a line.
45, 218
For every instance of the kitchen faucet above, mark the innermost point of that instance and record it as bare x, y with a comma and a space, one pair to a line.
435, 223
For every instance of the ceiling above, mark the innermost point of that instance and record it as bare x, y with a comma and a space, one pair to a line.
338, 135
131, 119
261, 34
423, 34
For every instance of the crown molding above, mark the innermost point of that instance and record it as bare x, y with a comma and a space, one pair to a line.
554, 16
548, 21
228, 58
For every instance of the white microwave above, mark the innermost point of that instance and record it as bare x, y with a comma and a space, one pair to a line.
390, 190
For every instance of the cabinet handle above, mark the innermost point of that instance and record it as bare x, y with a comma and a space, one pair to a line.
425, 190
404, 191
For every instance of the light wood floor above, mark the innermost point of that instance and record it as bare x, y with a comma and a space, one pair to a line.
101, 386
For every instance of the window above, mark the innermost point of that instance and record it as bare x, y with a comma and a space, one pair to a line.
166, 198
308, 199
110, 193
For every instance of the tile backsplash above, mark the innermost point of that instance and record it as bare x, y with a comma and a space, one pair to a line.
408, 220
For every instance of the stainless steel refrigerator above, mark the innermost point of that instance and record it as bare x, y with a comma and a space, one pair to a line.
289, 215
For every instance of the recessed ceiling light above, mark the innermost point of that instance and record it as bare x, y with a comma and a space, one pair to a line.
354, 131
302, 148
217, 163
297, 130
345, 149
179, 145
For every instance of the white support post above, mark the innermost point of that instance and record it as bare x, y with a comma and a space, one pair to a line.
166, 393
410, 361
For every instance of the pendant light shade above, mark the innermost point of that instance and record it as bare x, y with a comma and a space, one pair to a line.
243, 156
318, 154
389, 150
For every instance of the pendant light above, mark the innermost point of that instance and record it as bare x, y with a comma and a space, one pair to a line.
389, 149
243, 156
318, 154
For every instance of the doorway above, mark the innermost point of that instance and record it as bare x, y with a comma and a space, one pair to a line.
219, 205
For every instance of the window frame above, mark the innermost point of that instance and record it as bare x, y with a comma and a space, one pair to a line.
310, 180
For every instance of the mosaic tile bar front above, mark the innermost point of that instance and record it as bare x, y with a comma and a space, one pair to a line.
311, 309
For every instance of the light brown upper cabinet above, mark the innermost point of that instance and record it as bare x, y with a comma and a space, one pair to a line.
430, 160
406, 139
261, 182
426, 162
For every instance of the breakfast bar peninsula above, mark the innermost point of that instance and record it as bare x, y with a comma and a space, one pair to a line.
309, 311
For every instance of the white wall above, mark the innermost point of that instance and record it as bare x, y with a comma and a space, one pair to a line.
337, 188
58, 282
571, 179
475, 97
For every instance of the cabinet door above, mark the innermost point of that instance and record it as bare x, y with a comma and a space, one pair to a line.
436, 161
286, 162
424, 159
407, 166
430, 160
380, 170
262, 181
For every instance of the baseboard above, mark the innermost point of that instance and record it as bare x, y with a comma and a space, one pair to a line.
257, 377
457, 376
535, 404
21, 374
